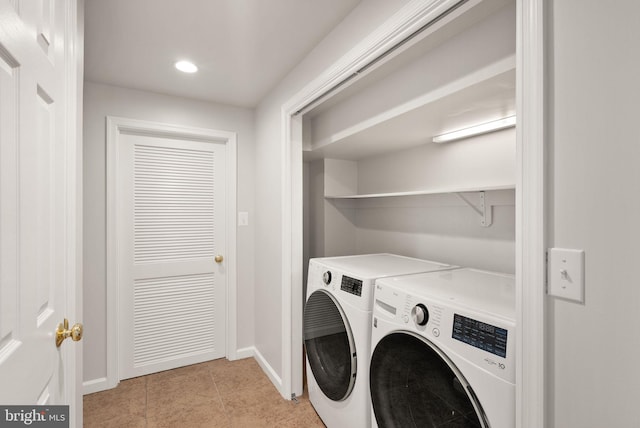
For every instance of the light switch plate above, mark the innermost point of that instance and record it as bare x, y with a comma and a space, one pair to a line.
565, 274
243, 218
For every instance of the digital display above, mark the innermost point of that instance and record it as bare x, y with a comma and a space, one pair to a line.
481, 335
351, 285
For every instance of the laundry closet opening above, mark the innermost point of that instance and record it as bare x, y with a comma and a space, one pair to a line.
374, 182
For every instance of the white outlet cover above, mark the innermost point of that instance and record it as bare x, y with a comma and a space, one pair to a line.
565, 273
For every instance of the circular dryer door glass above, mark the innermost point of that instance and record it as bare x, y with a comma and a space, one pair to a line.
330, 345
414, 385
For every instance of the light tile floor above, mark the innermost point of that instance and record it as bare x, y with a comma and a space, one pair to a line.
214, 394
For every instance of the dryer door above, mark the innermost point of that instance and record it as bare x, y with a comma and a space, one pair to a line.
414, 384
330, 346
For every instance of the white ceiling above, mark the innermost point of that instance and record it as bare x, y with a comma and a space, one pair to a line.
243, 48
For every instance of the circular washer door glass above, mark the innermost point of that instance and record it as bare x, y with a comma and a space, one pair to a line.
413, 386
330, 346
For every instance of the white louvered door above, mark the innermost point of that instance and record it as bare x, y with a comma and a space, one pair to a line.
172, 292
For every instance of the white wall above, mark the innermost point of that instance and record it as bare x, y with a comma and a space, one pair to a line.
101, 101
441, 227
435, 227
483, 161
364, 19
594, 204
314, 208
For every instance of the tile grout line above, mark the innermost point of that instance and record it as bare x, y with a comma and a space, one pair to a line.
244, 377
146, 402
224, 408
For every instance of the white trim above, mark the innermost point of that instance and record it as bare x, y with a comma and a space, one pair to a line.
115, 126
112, 256
252, 352
232, 233
74, 65
242, 353
289, 381
103, 384
411, 18
268, 370
404, 23
95, 385
530, 216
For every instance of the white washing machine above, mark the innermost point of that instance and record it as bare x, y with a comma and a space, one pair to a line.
337, 331
443, 346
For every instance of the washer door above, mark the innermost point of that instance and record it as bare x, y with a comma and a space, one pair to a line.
414, 384
330, 346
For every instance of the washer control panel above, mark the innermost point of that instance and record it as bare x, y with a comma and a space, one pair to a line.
479, 334
420, 314
477, 337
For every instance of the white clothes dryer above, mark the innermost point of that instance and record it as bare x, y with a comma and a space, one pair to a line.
337, 331
443, 346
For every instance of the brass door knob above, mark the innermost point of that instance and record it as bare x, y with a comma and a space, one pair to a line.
219, 258
63, 332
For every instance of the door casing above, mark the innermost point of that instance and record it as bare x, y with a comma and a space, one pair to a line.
115, 127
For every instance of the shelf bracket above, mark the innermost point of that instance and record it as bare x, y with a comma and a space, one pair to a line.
483, 209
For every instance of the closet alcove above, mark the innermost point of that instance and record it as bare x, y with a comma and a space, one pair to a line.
375, 182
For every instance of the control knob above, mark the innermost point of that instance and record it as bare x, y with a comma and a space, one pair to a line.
420, 314
326, 277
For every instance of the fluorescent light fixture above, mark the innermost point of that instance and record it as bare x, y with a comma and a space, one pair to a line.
186, 66
472, 131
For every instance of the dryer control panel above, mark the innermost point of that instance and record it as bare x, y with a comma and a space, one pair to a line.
351, 285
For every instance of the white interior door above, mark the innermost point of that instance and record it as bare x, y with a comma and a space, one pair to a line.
171, 229
38, 230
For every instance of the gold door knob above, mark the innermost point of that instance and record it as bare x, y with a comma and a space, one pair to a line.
219, 258
63, 332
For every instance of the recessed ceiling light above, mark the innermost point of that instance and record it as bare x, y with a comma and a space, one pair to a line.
186, 66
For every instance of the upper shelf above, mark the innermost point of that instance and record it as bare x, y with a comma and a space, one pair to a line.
425, 192
486, 94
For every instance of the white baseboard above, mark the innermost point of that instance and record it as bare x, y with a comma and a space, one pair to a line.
102, 384
95, 385
243, 353
251, 351
271, 373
